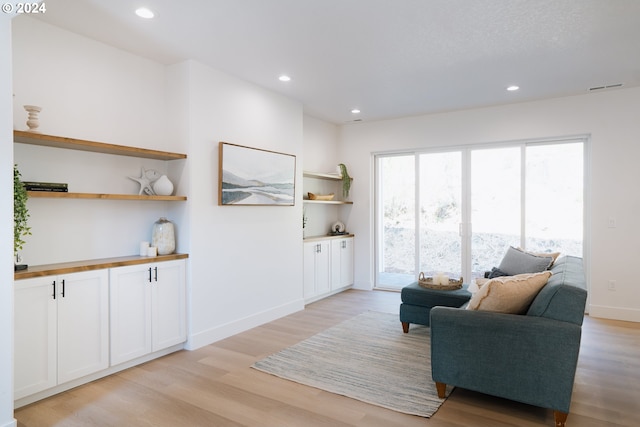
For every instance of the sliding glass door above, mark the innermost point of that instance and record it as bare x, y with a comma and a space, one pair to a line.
458, 211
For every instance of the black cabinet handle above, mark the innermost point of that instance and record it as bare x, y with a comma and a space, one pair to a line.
62, 288
54, 289
156, 270
149, 274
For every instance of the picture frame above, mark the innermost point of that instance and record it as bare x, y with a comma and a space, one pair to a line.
255, 177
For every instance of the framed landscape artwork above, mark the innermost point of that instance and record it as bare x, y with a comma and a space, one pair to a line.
251, 176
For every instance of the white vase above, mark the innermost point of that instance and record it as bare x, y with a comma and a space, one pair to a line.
163, 186
32, 120
164, 236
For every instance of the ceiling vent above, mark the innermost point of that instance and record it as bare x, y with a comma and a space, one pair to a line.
605, 87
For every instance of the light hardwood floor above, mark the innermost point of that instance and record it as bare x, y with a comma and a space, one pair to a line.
215, 386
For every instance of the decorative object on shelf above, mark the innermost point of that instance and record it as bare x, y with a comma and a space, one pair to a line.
163, 237
337, 229
145, 180
58, 187
251, 176
20, 217
32, 120
163, 186
144, 248
313, 196
346, 180
439, 281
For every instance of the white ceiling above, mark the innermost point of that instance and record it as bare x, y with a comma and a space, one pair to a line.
389, 58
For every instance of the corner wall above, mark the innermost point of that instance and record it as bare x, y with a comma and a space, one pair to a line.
6, 229
246, 261
609, 117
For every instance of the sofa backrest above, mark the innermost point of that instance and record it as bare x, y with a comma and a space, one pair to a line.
565, 295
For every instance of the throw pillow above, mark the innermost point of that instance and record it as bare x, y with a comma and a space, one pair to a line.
496, 272
553, 255
516, 261
509, 294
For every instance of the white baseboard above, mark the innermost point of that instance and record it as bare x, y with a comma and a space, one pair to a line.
12, 423
218, 333
614, 313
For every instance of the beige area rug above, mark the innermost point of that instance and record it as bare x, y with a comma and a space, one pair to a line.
367, 358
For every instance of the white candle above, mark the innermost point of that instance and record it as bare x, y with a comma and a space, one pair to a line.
152, 251
144, 246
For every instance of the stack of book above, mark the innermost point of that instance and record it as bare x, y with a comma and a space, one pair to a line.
45, 186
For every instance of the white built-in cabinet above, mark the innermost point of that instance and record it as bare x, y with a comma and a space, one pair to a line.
94, 318
61, 329
328, 266
147, 309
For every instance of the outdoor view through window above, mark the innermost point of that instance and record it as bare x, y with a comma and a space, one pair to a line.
458, 211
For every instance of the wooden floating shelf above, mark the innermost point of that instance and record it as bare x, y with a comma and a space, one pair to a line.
328, 202
66, 195
25, 137
320, 175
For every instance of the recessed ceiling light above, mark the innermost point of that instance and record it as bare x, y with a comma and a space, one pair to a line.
355, 111
143, 12
284, 78
513, 88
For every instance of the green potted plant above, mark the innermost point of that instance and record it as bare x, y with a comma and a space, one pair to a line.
20, 217
346, 180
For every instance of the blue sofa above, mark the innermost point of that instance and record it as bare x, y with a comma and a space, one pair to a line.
529, 358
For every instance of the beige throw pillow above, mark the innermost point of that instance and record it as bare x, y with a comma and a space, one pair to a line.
509, 294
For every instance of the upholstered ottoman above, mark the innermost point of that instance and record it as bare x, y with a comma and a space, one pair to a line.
417, 302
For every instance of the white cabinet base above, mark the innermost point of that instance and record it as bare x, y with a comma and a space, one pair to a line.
18, 403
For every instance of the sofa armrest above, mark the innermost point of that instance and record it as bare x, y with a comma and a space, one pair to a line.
523, 358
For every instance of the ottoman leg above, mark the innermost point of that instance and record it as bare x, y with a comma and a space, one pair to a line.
405, 327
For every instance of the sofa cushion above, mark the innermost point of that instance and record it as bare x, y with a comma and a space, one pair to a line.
509, 294
516, 261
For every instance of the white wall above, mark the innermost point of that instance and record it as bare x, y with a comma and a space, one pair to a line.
611, 118
245, 264
6, 230
246, 261
321, 155
87, 90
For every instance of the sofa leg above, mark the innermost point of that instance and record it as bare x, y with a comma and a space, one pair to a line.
442, 390
560, 418
405, 327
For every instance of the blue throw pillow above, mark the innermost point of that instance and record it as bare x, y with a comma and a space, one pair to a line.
496, 272
516, 261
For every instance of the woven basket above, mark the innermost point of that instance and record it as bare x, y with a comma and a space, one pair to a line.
427, 282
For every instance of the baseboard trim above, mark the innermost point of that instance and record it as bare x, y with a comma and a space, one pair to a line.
614, 313
221, 332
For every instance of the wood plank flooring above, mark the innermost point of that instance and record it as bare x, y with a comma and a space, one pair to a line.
215, 386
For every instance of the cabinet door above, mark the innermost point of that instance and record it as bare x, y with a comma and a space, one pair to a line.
83, 324
309, 268
169, 304
323, 267
35, 348
130, 309
341, 263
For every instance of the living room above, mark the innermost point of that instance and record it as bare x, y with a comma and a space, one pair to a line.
90, 90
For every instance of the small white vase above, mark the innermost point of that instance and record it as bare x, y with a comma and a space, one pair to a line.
163, 186
32, 120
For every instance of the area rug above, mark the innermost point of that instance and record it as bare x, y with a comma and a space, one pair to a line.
367, 358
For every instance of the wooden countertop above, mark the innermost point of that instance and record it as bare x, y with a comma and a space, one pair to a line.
91, 264
327, 237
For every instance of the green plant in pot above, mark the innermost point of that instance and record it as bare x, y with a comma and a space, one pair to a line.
346, 180
20, 217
